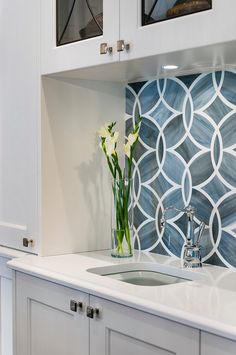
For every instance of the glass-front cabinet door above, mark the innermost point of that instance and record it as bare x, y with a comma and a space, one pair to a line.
153, 11
78, 33
154, 27
78, 20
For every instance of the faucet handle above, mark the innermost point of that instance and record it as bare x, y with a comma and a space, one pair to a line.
190, 211
169, 208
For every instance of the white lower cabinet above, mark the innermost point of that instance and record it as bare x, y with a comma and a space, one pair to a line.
44, 322
215, 345
6, 338
123, 330
46, 325
51, 319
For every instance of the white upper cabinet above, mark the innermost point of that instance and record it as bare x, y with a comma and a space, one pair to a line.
73, 31
19, 118
188, 32
172, 34
50, 191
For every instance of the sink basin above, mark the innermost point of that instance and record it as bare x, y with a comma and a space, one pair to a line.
145, 274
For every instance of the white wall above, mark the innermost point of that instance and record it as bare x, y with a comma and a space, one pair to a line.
75, 181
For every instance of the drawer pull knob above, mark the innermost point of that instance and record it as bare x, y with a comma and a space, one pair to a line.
92, 312
80, 306
27, 242
104, 49
76, 306
73, 306
122, 46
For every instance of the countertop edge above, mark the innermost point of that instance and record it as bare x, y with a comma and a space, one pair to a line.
200, 323
9, 253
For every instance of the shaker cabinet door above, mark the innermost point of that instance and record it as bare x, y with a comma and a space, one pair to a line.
162, 27
122, 330
6, 336
73, 31
19, 117
46, 323
215, 345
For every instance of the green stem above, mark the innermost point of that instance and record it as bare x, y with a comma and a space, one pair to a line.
117, 165
113, 172
126, 218
121, 200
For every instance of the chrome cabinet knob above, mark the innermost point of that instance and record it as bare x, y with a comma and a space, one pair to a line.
73, 306
76, 306
80, 306
27, 242
104, 49
122, 46
92, 312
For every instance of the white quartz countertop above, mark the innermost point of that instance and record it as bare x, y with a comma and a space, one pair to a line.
208, 303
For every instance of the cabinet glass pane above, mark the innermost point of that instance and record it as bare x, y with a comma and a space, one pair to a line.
161, 10
78, 20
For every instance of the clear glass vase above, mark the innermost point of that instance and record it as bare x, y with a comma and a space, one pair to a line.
122, 218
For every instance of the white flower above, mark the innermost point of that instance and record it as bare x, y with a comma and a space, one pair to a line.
132, 137
116, 136
103, 131
110, 144
127, 149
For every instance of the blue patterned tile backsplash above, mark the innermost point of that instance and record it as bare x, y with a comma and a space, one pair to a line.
186, 155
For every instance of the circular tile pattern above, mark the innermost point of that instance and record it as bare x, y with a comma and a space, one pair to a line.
186, 154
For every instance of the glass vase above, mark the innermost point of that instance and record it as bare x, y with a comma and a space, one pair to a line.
122, 218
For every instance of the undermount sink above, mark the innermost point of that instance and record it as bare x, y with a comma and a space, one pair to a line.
145, 274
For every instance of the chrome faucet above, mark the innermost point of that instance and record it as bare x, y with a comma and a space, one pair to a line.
192, 249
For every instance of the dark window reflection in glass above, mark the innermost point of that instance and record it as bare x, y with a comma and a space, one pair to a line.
78, 20
161, 10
